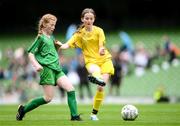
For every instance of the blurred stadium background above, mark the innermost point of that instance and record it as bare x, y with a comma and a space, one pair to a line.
145, 33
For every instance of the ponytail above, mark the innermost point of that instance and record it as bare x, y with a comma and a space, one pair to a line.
79, 28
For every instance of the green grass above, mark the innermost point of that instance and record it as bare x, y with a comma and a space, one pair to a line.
58, 115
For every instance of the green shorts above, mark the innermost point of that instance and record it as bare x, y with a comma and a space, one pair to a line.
49, 76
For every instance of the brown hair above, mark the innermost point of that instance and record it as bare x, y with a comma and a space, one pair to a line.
44, 20
86, 10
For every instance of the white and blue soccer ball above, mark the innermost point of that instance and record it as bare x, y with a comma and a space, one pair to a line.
129, 112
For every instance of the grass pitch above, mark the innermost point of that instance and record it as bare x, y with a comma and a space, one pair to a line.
58, 115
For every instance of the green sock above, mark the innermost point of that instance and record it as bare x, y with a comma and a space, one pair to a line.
72, 103
34, 104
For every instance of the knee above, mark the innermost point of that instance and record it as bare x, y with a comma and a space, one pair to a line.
94, 68
100, 88
70, 88
48, 98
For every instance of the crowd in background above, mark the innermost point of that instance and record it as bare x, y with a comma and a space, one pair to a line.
20, 80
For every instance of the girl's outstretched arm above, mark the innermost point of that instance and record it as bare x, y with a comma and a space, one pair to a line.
65, 46
61, 45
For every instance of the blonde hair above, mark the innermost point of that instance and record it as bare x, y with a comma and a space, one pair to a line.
86, 10
44, 20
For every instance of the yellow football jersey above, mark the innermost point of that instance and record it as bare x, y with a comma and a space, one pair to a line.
89, 42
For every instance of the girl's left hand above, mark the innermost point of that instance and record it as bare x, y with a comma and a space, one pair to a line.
101, 51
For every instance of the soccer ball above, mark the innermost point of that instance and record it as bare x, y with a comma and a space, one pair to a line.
129, 112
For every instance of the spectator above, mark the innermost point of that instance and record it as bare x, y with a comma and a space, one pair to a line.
170, 49
115, 80
1, 73
159, 95
83, 75
141, 59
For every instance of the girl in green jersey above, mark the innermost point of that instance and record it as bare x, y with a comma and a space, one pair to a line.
44, 57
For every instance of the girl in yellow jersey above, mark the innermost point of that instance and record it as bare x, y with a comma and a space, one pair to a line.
91, 40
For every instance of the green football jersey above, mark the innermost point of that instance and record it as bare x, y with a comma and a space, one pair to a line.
45, 52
